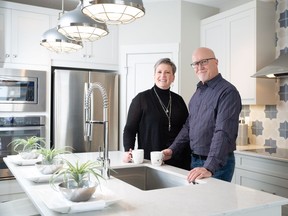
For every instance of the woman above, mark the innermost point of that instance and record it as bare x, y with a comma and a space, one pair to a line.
156, 116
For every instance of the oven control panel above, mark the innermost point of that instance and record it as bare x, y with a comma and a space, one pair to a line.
22, 121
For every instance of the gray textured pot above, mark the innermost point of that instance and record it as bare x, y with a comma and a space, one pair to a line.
71, 192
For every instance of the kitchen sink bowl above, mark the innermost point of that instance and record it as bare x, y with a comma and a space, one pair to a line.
147, 178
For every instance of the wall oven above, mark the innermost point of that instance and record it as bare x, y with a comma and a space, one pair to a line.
22, 90
13, 128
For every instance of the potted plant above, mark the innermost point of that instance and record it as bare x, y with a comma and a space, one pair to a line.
51, 162
27, 148
77, 185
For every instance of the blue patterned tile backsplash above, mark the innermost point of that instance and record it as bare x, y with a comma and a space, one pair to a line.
268, 124
257, 128
283, 130
283, 93
270, 142
271, 111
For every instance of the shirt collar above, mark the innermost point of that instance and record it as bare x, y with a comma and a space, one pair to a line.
211, 83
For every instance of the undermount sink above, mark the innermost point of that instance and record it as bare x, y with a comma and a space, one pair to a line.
147, 178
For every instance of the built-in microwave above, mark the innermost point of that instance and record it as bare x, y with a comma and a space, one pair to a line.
22, 90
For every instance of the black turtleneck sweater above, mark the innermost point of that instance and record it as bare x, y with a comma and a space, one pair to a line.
147, 119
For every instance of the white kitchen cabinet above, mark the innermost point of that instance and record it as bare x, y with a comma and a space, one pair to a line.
105, 50
5, 41
20, 37
212, 32
22, 27
243, 41
100, 54
268, 175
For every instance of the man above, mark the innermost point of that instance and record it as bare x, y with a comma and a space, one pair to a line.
212, 125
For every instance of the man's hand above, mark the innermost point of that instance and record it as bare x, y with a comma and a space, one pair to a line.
198, 173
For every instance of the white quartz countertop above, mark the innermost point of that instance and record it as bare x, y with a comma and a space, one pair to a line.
210, 197
249, 146
266, 152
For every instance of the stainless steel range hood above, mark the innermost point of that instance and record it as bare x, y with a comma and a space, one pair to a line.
277, 69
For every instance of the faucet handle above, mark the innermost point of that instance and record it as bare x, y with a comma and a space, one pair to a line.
88, 131
100, 157
106, 169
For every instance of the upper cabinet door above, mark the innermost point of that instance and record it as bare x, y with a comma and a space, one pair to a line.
241, 49
105, 50
26, 32
213, 35
5, 32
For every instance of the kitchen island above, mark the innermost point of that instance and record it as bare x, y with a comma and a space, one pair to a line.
209, 197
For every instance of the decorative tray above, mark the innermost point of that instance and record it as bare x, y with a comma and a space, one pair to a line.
39, 178
101, 199
18, 160
36, 176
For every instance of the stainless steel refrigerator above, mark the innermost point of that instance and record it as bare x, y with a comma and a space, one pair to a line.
67, 111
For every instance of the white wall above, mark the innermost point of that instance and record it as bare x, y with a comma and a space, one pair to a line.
233, 4
160, 24
191, 14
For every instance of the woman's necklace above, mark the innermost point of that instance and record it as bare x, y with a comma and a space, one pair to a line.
167, 109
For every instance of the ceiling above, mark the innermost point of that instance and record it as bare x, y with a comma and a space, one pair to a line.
71, 4
55, 4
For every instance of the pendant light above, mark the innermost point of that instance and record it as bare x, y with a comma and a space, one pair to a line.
77, 26
56, 42
114, 11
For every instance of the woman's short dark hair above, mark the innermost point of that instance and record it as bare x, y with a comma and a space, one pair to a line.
165, 61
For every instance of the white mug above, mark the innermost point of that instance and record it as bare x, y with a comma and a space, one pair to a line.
156, 158
138, 156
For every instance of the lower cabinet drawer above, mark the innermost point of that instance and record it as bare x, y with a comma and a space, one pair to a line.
266, 183
10, 190
10, 187
262, 165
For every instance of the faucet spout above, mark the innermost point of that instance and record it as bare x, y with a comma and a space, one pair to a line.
89, 124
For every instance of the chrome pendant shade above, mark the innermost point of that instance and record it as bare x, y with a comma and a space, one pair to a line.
77, 26
87, 22
56, 42
114, 11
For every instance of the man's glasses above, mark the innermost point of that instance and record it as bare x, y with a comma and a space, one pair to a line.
203, 62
